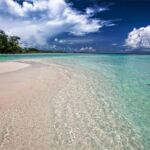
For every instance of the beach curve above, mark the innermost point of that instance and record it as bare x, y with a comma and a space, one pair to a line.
49, 106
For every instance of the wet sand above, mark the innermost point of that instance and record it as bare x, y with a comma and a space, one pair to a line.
47, 106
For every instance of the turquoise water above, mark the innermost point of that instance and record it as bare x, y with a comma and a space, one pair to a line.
128, 76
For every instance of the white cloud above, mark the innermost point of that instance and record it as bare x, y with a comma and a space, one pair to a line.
60, 41
87, 49
56, 39
91, 11
73, 41
79, 40
139, 38
40, 20
114, 44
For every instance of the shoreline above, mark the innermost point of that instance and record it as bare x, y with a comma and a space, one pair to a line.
49, 106
25, 105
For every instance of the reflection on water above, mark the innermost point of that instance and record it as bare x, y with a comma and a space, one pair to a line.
113, 96
129, 78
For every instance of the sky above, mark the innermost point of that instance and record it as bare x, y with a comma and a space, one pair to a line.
108, 26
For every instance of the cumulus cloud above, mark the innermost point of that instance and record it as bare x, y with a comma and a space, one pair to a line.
87, 49
139, 38
37, 21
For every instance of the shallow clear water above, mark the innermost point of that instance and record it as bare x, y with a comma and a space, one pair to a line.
125, 77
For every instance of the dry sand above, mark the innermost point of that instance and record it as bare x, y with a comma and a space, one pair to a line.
11, 66
26, 120
46, 107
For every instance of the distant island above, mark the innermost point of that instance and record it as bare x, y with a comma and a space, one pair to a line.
10, 45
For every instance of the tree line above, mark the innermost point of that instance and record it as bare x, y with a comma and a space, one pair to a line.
9, 44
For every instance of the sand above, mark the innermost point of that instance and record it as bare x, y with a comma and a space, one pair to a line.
46, 106
26, 113
11, 66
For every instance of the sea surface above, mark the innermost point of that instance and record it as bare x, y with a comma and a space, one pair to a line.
119, 83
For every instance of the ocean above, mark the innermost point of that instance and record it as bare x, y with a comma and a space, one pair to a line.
116, 92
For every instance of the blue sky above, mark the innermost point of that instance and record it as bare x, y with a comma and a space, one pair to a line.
79, 25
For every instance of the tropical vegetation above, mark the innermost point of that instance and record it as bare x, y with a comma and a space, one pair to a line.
10, 45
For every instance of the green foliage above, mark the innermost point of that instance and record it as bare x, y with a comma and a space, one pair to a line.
9, 44
31, 50
3, 41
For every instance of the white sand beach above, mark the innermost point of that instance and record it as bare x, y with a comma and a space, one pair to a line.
11, 66
47, 106
26, 110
